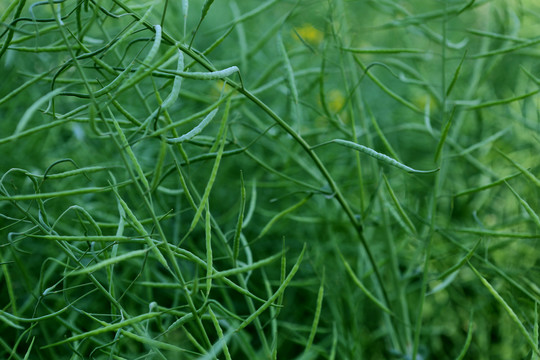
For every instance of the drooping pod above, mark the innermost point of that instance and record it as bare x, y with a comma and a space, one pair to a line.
377, 155
195, 131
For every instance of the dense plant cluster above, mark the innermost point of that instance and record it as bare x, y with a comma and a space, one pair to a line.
259, 180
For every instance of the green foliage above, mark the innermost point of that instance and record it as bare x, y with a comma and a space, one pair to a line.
237, 179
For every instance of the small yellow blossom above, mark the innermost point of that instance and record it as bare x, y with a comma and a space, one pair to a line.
309, 34
421, 101
336, 100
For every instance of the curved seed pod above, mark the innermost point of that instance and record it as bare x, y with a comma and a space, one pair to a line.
381, 157
136, 76
115, 83
34, 107
173, 96
155, 47
185, 7
212, 75
195, 131
289, 72
176, 84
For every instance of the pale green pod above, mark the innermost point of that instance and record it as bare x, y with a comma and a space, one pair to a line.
173, 95
381, 157
32, 109
115, 83
289, 72
155, 47
177, 84
195, 131
211, 75
185, 7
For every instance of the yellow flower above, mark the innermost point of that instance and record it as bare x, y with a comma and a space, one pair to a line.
309, 34
336, 100
421, 100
